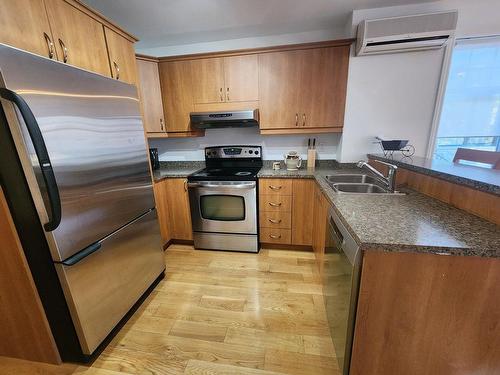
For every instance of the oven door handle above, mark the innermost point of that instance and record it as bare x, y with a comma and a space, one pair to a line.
244, 186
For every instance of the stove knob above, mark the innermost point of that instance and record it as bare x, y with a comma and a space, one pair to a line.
256, 152
250, 152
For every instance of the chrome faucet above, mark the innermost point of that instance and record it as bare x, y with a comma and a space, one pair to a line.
389, 181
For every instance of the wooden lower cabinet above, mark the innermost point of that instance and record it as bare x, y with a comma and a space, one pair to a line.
320, 222
285, 211
162, 209
24, 329
302, 211
172, 204
427, 314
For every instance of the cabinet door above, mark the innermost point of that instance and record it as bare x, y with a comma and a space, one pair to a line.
302, 207
150, 93
121, 57
162, 208
208, 80
241, 77
279, 85
324, 85
179, 211
175, 80
25, 25
79, 39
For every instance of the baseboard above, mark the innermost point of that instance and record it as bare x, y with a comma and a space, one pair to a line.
264, 245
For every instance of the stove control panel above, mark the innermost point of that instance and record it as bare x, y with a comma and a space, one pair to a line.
235, 152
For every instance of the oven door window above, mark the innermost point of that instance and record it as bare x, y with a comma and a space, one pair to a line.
222, 207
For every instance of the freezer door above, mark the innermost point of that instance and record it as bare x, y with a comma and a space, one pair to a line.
102, 287
92, 130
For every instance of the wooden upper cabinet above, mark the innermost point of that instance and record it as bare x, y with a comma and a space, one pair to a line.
78, 38
241, 78
324, 85
25, 25
208, 80
150, 94
279, 89
121, 57
303, 89
225, 79
176, 86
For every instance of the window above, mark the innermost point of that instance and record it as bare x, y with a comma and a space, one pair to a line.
469, 117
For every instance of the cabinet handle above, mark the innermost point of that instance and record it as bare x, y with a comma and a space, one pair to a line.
296, 119
303, 119
221, 95
272, 187
50, 45
227, 93
274, 204
275, 237
274, 221
64, 49
117, 70
185, 185
161, 124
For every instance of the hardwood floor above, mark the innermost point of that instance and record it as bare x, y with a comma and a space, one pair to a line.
220, 313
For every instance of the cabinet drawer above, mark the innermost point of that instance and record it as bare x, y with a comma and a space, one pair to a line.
276, 219
275, 186
270, 235
275, 203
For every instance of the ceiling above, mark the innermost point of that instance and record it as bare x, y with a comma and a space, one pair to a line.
159, 23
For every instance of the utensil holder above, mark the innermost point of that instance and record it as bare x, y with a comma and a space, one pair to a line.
311, 159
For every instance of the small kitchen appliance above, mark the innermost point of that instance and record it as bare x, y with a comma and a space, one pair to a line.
223, 199
153, 156
293, 161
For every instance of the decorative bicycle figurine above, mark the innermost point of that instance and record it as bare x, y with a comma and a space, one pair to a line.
389, 146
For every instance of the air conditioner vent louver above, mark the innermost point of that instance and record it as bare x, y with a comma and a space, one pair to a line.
408, 33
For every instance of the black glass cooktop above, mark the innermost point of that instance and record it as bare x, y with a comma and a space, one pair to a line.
225, 174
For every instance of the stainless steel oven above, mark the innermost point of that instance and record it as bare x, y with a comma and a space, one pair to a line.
342, 268
224, 214
223, 199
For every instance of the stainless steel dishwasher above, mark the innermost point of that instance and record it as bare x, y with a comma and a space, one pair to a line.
341, 270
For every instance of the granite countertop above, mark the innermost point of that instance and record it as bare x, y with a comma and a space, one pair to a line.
179, 169
412, 223
484, 179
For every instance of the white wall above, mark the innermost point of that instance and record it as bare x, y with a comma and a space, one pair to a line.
243, 43
273, 146
394, 95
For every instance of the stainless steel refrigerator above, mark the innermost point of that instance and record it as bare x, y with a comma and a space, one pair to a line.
74, 167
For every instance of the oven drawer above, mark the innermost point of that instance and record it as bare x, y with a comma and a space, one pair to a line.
271, 235
275, 203
275, 186
276, 219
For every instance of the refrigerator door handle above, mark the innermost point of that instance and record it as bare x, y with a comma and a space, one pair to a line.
42, 155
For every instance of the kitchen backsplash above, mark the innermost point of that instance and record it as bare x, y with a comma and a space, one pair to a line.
273, 146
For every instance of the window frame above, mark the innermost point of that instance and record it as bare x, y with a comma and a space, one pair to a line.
443, 83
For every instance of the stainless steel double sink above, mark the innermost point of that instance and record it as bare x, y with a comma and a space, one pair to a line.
356, 184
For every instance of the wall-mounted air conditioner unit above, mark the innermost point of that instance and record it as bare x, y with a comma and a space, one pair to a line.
403, 34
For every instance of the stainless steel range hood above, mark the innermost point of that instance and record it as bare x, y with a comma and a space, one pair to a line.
236, 119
